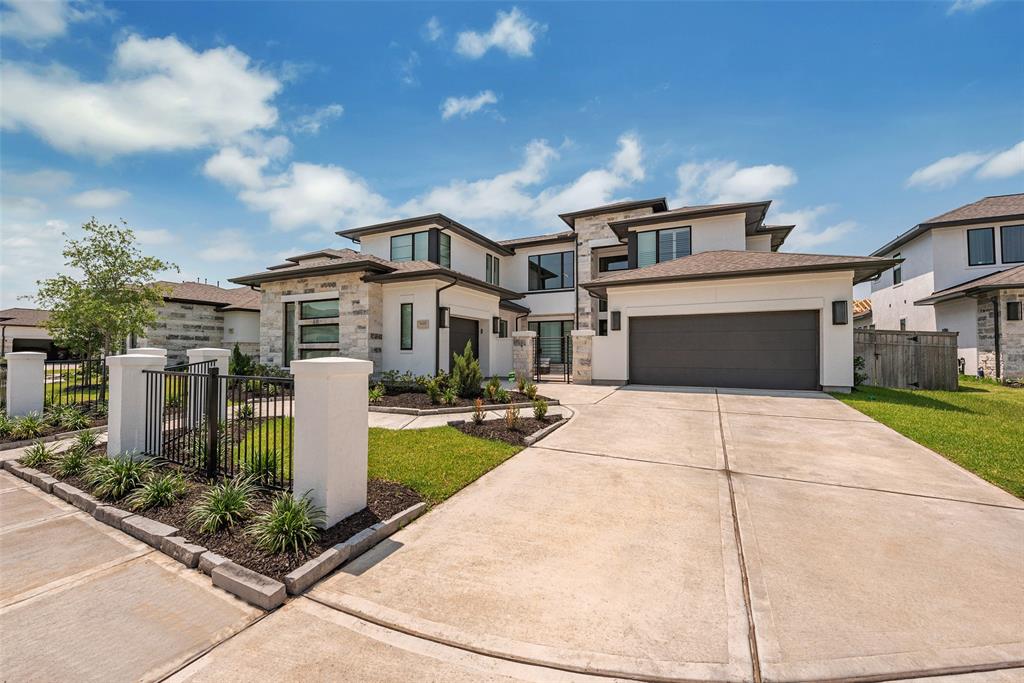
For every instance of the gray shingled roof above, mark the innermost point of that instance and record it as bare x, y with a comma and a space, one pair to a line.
1004, 279
26, 317
234, 298
996, 208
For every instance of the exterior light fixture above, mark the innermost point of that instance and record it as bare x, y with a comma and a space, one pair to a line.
616, 320
495, 324
840, 313
442, 317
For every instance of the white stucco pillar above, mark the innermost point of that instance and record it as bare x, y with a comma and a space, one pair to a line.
126, 416
25, 378
222, 357
329, 456
148, 351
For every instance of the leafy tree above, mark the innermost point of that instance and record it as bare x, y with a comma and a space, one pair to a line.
240, 363
113, 298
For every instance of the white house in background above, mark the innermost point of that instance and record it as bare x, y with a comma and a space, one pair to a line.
23, 329
697, 295
962, 271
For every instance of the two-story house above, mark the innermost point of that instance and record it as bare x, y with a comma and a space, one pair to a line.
962, 271
697, 295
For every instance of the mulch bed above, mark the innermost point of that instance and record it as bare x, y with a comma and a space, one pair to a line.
421, 401
50, 430
498, 429
383, 499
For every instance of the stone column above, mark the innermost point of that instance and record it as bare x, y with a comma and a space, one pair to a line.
524, 350
126, 417
329, 456
582, 356
25, 380
222, 357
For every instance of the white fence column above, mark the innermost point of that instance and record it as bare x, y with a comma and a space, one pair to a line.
582, 356
25, 378
148, 351
126, 416
524, 350
329, 456
222, 357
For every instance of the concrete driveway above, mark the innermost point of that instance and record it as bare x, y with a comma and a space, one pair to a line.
679, 534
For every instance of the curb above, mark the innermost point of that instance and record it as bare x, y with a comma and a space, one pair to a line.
252, 587
11, 445
451, 411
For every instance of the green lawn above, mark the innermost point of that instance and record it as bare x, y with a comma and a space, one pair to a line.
980, 427
433, 462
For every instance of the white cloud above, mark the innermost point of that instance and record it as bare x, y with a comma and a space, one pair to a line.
513, 32
31, 252
21, 207
1004, 164
407, 69
153, 237
100, 198
228, 245
233, 167
38, 21
43, 181
966, 5
719, 182
464, 106
807, 236
433, 30
161, 95
946, 171
312, 123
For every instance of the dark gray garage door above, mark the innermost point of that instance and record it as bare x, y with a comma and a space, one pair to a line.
777, 350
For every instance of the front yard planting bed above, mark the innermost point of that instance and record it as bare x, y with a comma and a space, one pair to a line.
500, 431
980, 427
47, 430
420, 401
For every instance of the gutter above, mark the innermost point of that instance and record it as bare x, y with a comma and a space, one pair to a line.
437, 326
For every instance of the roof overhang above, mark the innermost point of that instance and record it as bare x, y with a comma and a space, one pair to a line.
862, 270
779, 233
438, 219
754, 213
541, 241
512, 306
939, 297
922, 228
656, 204
444, 274
323, 269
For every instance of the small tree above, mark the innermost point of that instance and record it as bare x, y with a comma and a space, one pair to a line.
240, 363
113, 298
466, 376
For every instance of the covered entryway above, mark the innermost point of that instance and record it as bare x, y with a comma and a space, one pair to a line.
772, 350
460, 331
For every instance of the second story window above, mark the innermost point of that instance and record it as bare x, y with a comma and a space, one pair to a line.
658, 246
410, 247
981, 247
493, 270
606, 264
444, 249
326, 308
1012, 237
897, 272
551, 271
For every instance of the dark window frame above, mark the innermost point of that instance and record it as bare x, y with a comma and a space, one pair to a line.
602, 327
288, 347
992, 245
503, 329
303, 328
302, 309
534, 261
897, 272
1002, 242
604, 261
657, 244
444, 250
401, 326
412, 237
1014, 310
492, 270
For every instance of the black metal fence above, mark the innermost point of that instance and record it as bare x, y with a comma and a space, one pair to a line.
81, 382
553, 359
221, 425
3, 386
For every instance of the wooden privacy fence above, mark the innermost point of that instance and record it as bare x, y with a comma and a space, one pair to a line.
907, 359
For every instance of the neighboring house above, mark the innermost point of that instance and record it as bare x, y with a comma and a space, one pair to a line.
697, 295
196, 314
23, 329
962, 271
862, 317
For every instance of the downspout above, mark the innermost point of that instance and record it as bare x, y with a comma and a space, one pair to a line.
995, 331
437, 325
520, 317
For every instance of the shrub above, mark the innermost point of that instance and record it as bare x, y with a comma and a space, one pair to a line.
377, 393
512, 417
521, 381
261, 467
504, 396
28, 426
540, 408
450, 396
530, 390
115, 478
291, 524
434, 391
223, 505
85, 442
859, 376
466, 376
72, 418
478, 411
246, 411
157, 492
493, 387
72, 463
35, 455
240, 363
6, 424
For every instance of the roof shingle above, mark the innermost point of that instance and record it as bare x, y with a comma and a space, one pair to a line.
1004, 279
26, 317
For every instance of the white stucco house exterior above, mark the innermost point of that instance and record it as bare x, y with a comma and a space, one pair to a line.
961, 271
697, 295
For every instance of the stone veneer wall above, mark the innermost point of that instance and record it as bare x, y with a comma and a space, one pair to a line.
593, 228
524, 348
360, 321
582, 357
1011, 335
182, 326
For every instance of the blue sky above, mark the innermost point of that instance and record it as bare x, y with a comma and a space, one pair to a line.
233, 134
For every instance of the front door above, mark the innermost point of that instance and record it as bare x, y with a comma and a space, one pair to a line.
460, 331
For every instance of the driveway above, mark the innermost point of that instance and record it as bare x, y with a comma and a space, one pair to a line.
678, 534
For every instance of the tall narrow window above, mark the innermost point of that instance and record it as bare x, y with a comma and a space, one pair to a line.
406, 327
646, 248
289, 334
444, 241
903, 324
981, 247
1012, 238
897, 272
1013, 310
493, 267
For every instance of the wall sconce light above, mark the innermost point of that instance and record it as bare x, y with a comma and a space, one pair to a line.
616, 320
495, 324
840, 313
442, 317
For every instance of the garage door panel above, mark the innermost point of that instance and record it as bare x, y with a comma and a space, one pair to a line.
777, 350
